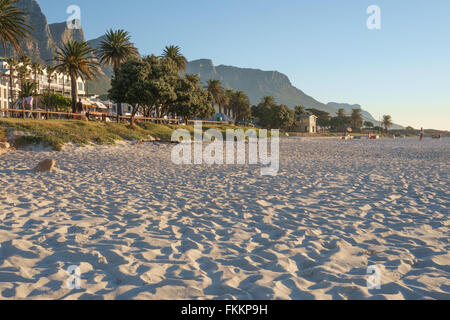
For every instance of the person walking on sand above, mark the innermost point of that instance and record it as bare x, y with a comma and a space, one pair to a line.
79, 106
422, 134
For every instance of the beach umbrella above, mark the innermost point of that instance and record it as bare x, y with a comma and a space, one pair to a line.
86, 102
100, 105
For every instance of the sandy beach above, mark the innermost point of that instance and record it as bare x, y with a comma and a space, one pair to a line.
140, 227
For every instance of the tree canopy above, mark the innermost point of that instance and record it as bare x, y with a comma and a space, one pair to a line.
154, 83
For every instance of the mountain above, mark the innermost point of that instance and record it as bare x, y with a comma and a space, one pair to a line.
45, 40
40, 46
257, 84
349, 108
61, 33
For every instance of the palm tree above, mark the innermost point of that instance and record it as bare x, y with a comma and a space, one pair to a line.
215, 88
341, 113
51, 73
23, 72
12, 63
36, 68
174, 53
27, 89
13, 24
240, 105
227, 101
268, 101
115, 50
387, 122
300, 110
77, 59
356, 119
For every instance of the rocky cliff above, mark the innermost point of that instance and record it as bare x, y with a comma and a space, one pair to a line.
40, 45
62, 34
258, 83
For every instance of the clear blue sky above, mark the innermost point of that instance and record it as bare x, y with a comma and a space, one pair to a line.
323, 46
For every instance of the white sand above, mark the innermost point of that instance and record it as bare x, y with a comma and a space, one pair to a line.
142, 228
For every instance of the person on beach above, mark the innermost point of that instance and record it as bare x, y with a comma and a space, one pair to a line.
422, 134
79, 106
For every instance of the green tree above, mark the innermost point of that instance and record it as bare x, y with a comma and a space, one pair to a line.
341, 113
272, 115
23, 69
60, 102
115, 50
369, 124
387, 122
356, 119
51, 75
214, 87
192, 100
323, 117
12, 64
130, 85
283, 117
264, 112
226, 101
27, 89
240, 105
37, 70
162, 80
341, 121
174, 53
300, 111
77, 59
13, 25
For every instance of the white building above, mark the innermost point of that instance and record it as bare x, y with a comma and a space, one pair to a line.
59, 84
222, 115
308, 124
4, 92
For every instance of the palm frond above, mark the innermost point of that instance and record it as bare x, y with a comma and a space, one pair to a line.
14, 25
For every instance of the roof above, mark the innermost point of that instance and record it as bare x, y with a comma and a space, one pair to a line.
306, 116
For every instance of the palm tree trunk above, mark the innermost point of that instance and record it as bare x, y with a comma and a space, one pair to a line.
35, 89
119, 111
116, 67
11, 93
74, 90
23, 108
133, 116
49, 99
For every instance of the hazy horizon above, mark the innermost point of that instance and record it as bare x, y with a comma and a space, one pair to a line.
325, 49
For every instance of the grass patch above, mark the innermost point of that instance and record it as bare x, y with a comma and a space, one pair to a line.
2, 135
56, 133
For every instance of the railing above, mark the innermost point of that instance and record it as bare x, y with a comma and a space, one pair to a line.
20, 113
145, 119
211, 122
39, 114
43, 114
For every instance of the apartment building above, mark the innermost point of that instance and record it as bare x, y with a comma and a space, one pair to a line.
58, 84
